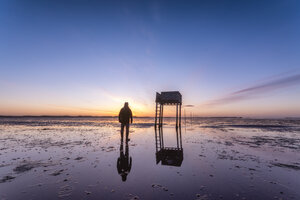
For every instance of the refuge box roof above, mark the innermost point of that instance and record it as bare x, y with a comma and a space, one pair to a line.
169, 97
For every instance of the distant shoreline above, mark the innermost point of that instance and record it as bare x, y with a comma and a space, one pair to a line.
88, 116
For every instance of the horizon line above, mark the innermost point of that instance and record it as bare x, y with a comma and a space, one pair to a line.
115, 116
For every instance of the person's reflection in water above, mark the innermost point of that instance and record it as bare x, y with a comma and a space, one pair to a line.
124, 162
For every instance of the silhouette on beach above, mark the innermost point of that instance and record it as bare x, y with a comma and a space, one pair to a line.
124, 162
125, 116
172, 156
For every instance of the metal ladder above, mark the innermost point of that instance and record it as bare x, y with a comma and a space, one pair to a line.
157, 114
159, 141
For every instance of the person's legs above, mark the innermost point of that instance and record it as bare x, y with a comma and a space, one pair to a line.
127, 131
122, 132
121, 149
126, 150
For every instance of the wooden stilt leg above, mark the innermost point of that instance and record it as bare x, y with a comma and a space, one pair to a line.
177, 138
176, 116
159, 115
180, 115
162, 114
180, 138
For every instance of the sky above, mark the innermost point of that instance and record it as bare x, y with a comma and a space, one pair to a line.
85, 57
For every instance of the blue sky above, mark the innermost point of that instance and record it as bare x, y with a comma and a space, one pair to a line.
88, 57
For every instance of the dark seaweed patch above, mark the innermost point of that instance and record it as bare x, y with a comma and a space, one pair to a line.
7, 178
289, 166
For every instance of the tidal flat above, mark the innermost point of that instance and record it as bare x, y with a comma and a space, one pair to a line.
207, 158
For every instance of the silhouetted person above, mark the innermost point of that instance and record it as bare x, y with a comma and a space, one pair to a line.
125, 116
124, 162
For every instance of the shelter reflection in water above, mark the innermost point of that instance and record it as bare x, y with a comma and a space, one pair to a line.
172, 156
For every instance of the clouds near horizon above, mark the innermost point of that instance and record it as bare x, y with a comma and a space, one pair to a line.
256, 91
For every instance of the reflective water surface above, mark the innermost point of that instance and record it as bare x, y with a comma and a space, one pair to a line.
207, 158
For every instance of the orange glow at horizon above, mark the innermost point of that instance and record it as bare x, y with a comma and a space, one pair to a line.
148, 111
20, 111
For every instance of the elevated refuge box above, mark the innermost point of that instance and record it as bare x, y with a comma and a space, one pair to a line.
170, 97
173, 98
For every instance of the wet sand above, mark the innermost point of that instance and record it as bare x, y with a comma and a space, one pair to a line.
222, 158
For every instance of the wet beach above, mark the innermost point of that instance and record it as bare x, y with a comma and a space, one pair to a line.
218, 158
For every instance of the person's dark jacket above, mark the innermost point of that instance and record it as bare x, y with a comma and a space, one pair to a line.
124, 115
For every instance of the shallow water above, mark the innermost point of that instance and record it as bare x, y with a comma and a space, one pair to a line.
220, 158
